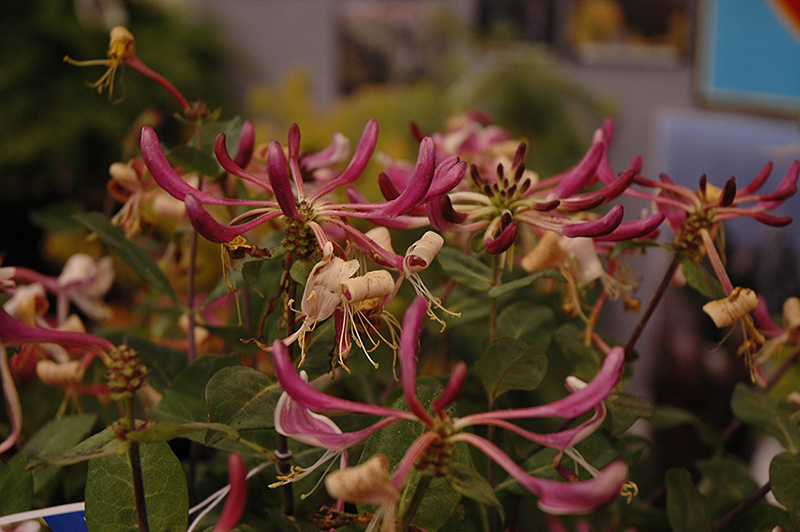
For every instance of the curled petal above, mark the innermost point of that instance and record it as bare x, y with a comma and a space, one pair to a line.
764, 320
230, 165
504, 240
618, 186
374, 250
558, 497
357, 164
313, 399
299, 423
447, 176
600, 227
214, 231
387, 187
330, 156
366, 483
634, 228
170, 181
570, 406
582, 174
582, 203
279, 179
13, 333
758, 181
419, 183
442, 214
247, 143
454, 385
774, 221
412, 323
237, 496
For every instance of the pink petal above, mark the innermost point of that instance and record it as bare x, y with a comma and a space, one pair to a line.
237, 496
301, 424
409, 338
448, 175
600, 227
419, 183
214, 231
230, 166
247, 143
582, 174
504, 240
454, 385
13, 333
633, 229
357, 164
572, 405
278, 174
170, 181
558, 497
758, 181
442, 215
315, 400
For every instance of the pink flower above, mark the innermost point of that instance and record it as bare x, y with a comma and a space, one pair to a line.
441, 429
305, 215
506, 194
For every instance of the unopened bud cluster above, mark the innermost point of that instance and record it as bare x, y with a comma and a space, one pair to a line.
126, 373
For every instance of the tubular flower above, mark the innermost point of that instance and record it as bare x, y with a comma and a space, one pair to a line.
696, 218
305, 216
506, 194
431, 451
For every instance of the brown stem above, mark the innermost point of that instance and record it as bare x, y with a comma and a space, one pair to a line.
651, 307
742, 507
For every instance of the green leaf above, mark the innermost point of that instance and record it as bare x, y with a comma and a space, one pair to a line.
184, 400
232, 129
529, 322
102, 444
251, 273
510, 364
518, 284
300, 270
465, 269
55, 437
135, 257
16, 485
585, 359
242, 398
625, 409
158, 432
110, 505
688, 510
758, 409
701, 280
193, 160
784, 477
472, 484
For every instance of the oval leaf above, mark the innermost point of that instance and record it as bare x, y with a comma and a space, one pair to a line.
688, 509
16, 485
465, 269
510, 364
758, 409
472, 484
784, 477
110, 503
102, 444
242, 398
529, 322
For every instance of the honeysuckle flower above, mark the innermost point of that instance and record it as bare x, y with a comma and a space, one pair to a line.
442, 431
779, 336
305, 216
509, 195
696, 218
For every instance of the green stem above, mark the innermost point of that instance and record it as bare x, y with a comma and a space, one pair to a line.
413, 505
283, 453
651, 307
136, 472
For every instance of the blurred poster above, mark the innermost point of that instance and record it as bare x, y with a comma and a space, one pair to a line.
749, 52
65, 518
